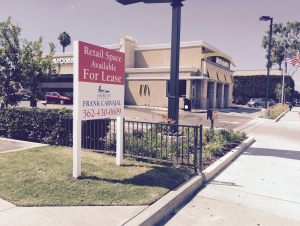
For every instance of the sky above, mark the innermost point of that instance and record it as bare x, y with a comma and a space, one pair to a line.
232, 26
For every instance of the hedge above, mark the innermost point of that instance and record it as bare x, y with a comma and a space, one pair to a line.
45, 126
51, 126
255, 86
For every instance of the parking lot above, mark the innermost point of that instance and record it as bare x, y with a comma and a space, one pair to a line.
226, 118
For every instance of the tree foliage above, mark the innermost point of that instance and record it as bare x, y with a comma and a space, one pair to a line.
36, 67
278, 91
22, 64
285, 38
255, 86
10, 66
64, 39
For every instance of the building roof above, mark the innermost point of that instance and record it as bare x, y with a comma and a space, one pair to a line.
184, 45
273, 72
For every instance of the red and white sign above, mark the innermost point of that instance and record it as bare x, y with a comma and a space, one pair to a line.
101, 80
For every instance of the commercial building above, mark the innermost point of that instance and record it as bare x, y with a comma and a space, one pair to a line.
260, 72
205, 75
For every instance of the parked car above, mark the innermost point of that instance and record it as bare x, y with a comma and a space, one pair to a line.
58, 98
259, 102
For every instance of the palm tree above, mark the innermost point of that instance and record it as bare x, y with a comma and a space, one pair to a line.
64, 39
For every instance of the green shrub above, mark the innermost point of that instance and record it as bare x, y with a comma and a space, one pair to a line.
277, 110
46, 126
214, 149
217, 142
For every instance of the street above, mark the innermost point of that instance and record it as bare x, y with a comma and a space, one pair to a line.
227, 118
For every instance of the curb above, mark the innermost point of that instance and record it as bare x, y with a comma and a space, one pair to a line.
145, 107
27, 144
162, 208
281, 115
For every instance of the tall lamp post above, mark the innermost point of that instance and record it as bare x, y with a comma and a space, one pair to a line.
268, 18
173, 96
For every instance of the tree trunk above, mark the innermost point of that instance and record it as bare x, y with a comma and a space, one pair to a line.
33, 97
63, 49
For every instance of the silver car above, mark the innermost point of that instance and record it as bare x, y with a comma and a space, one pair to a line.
259, 102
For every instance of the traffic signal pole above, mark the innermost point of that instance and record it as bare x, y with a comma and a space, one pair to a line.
173, 95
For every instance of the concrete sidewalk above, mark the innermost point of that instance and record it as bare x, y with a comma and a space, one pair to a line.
11, 215
262, 187
9, 145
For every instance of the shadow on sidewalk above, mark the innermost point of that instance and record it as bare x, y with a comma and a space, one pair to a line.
224, 183
288, 154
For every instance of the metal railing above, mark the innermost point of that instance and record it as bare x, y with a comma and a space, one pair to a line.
167, 143
155, 142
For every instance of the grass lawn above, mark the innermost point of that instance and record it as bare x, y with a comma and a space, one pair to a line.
43, 177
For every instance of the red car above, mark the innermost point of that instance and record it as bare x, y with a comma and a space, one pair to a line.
58, 98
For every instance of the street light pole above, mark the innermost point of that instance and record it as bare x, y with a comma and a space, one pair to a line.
173, 94
173, 97
269, 61
266, 18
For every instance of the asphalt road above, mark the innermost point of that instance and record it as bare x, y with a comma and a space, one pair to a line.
227, 118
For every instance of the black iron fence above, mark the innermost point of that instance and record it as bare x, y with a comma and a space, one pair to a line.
168, 143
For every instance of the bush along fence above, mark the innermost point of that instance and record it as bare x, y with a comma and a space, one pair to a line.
165, 143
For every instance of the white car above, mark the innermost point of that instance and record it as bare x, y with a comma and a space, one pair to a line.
260, 102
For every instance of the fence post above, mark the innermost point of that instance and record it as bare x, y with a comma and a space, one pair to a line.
201, 150
195, 148
120, 140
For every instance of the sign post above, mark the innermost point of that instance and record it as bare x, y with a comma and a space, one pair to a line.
99, 79
212, 114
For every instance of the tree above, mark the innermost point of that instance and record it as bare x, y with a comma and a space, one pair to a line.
285, 38
36, 67
10, 67
278, 92
64, 39
22, 64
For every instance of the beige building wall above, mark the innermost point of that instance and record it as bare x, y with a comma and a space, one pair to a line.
149, 89
65, 69
146, 93
216, 73
203, 93
160, 57
128, 45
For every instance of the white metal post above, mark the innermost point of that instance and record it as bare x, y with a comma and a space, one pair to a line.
120, 140
76, 119
282, 88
